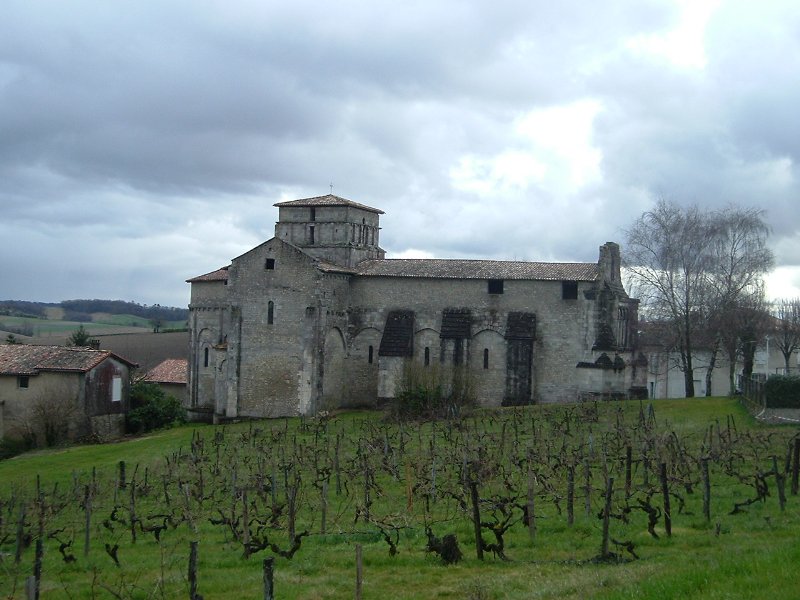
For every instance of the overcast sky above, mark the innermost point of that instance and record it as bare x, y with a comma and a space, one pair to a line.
143, 143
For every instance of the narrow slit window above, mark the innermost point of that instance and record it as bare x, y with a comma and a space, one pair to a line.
270, 312
270, 264
313, 214
427, 356
495, 286
485, 358
370, 355
311, 235
205, 357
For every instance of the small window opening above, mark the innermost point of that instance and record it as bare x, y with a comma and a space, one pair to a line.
23, 381
270, 312
485, 358
116, 389
205, 357
270, 264
370, 354
569, 290
427, 356
313, 214
311, 235
495, 286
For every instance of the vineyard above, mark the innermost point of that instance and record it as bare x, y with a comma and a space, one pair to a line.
607, 500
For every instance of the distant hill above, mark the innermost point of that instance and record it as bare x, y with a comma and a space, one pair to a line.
82, 310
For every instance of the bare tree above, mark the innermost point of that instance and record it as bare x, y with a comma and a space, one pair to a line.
735, 307
786, 328
666, 256
50, 415
690, 267
740, 327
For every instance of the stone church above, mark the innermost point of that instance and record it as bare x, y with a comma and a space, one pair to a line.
317, 318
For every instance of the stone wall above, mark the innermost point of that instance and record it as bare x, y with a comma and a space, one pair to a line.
564, 328
271, 366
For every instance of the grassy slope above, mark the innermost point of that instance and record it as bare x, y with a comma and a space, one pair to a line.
749, 555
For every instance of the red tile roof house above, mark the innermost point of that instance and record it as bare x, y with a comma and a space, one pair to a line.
53, 394
170, 375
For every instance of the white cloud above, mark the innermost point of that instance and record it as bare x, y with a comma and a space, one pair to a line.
684, 45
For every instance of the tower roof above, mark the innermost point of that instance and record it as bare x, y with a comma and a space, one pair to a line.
327, 200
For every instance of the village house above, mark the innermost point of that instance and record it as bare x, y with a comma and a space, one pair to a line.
317, 318
170, 376
51, 394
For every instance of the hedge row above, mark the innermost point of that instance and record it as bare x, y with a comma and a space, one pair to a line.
783, 391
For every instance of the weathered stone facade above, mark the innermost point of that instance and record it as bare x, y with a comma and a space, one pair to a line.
316, 318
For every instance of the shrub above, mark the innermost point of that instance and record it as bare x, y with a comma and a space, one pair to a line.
152, 409
10, 447
432, 392
783, 391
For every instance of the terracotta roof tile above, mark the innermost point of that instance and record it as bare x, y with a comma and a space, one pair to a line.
218, 275
172, 370
328, 200
477, 269
24, 359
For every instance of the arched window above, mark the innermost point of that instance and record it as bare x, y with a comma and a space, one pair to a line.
427, 356
485, 358
370, 355
205, 357
270, 312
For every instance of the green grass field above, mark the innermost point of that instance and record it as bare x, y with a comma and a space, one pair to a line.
373, 480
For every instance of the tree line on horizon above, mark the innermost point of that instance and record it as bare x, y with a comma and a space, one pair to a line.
79, 310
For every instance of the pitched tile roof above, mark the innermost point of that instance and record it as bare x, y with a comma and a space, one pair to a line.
24, 359
477, 269
328, 200
218, 275
172, 370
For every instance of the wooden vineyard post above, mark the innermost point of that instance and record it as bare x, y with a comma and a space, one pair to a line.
324, 508
607, 518
245, 522
780, 481
20, 533
570, 494
706, 490
87, 507
193, 571
665, 493
268, 578
796, 467
359, 571
628, 471
121, 484
531, 505
476, 518
588, 486
409, 488
37, 567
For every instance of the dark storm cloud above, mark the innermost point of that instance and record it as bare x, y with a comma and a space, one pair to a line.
145, 143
